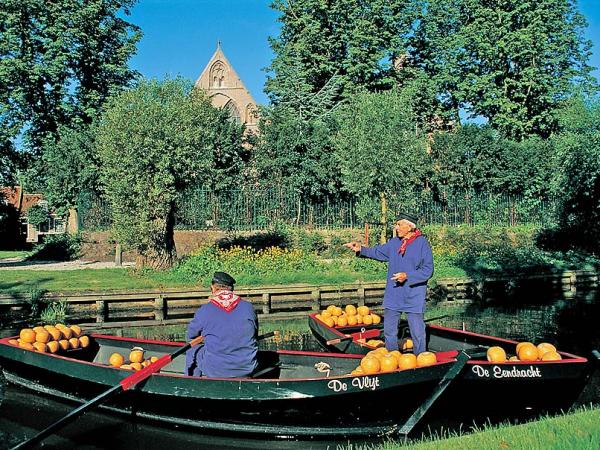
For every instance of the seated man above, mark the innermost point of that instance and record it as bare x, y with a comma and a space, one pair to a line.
229, 326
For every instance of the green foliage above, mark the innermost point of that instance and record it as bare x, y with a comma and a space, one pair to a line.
458, 252
295, 151
242, 263
377, 147
310, 242
60, 61
10, 159
37, 215
577, 181
35, 298
257, 241
336, 248
153, 141
478, 159
577, 429
498, 251
57, 247
72, 167
512, 62
54, 312
318, 40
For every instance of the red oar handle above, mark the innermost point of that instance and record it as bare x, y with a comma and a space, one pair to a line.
141, 375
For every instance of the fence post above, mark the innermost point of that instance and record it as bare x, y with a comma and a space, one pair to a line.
360, 294
266, 298
118, 255
101, 311
160, 305
315, 297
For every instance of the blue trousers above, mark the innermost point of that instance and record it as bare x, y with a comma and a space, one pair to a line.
416, 325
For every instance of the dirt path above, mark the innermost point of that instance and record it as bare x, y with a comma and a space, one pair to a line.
19, 264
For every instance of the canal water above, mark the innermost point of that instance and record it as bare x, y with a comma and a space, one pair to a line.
571, 323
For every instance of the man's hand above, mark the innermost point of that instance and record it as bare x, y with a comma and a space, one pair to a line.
400, 277
354, 246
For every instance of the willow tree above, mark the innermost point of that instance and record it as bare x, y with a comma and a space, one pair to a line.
153, 141
378, 149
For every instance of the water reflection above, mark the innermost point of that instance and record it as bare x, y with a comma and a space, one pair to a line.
24, 414
569, 323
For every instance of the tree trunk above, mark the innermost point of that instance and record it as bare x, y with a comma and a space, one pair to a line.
384, 210
161, 253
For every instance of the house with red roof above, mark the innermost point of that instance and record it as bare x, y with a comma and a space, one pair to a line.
20, 202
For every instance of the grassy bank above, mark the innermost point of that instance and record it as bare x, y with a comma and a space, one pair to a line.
475, 252
336, 272
13, 254
578, 430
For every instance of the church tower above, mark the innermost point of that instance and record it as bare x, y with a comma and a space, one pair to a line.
225, 89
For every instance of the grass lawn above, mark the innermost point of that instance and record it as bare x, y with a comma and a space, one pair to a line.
13, 254
578, 430
118, 279
72, 280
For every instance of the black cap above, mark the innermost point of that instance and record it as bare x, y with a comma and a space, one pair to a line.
406, 216
223, 279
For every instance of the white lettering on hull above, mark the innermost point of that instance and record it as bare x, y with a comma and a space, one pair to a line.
501, 372
362, 383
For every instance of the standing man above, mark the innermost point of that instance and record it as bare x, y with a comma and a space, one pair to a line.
410, 265
230, 327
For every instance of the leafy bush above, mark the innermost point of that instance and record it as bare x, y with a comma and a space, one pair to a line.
243, 262
35, 298
54, 312
57, 247
336, 247
259, 241
37, 215
310, 242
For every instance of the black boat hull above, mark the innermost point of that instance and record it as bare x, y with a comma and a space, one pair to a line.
298, 400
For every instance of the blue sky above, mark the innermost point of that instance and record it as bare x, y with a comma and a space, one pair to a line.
180, 36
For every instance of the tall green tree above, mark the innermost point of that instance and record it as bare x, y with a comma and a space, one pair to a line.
295, 147
512, 62
153, 142
71, 166
59, 61
379, 151
577, 173
356, 40
478, 159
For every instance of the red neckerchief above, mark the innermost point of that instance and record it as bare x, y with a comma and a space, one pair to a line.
405, 241
226, 300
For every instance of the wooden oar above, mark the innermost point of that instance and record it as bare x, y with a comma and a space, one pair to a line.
125, 384
461, 360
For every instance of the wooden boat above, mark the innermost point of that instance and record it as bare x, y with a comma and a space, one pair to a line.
292, 393
511, 387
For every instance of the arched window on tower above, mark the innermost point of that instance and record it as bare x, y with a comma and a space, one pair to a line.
233, 111
251, 114
217, 75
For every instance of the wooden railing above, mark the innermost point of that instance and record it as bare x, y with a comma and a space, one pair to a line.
113, 309
171, 306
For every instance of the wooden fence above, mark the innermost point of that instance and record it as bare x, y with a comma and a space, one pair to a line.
117, 309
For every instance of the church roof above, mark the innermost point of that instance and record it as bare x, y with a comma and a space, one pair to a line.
226, 89
232, 81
